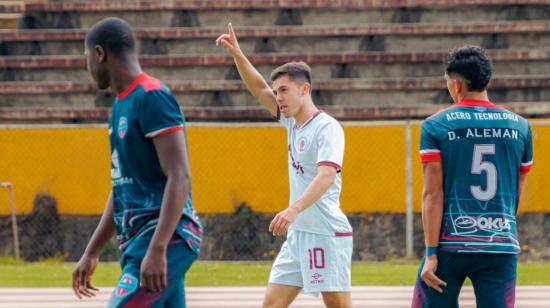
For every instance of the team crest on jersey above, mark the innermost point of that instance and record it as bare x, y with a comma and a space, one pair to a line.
302, 144
480, 109
122, 127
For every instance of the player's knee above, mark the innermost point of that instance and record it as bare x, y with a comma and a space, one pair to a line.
337, 301
272, 301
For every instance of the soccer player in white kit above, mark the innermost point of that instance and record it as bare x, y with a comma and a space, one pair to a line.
316, 256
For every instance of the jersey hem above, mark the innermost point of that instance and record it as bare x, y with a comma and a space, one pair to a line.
332, 234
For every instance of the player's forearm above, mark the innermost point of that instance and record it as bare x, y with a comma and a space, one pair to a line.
316, 189
255, 83
174, 199
521, 183
104, 231
432, 216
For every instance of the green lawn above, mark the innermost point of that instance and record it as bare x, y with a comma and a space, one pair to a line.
57, 274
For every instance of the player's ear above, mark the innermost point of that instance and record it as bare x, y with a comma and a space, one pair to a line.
305, 88
100, 54
458, 86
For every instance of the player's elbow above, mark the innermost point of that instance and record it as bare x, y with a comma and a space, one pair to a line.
181, 179
432, 199
185, 180
186, 183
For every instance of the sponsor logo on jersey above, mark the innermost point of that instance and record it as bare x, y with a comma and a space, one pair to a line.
116, 171
294, 163
316, 279
122, 127
483, 223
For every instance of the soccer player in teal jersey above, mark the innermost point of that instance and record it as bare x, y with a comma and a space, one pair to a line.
150, 208
475, 156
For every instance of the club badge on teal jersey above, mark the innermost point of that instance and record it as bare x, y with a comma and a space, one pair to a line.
122, 127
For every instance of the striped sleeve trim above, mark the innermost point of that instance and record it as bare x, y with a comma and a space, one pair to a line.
430, 156
343, 234
525, 167
330, 164
165, 131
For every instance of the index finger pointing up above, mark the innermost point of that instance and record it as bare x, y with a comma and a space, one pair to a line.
231, 30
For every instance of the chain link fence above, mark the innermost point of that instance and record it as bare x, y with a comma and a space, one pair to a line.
59, 177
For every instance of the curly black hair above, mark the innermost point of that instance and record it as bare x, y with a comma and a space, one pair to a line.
472, 64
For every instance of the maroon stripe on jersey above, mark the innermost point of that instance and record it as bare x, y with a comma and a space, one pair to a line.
338, 234
310, 119
330, 164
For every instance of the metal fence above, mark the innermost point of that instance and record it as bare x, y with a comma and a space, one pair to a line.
60, 179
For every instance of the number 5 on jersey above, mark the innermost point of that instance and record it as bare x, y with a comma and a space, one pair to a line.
479, 166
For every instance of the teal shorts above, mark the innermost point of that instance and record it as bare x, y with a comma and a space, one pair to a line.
129, 294
493, 277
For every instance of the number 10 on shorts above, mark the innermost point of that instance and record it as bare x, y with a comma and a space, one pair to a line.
316, 258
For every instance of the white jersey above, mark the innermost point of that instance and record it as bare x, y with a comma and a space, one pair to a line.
320, 141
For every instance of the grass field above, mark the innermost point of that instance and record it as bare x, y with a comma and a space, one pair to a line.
58, 274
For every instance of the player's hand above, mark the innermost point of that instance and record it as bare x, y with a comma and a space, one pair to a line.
279, 225
428, 274
153, 277
229, 40
82, 277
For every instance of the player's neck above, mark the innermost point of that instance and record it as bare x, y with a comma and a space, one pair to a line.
308, 110
476, 96
124, 75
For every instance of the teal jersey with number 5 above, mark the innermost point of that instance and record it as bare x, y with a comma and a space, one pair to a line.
483, 149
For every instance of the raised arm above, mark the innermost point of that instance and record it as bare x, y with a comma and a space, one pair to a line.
253, 80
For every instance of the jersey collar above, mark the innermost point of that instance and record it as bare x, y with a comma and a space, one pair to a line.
309, 120
139, 80
477, 103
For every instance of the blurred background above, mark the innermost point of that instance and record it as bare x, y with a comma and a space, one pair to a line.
377, 67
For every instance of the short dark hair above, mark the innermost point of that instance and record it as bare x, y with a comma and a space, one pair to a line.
472, 64
113, 34
297, 71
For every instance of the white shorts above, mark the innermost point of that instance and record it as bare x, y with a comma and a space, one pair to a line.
317, 263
